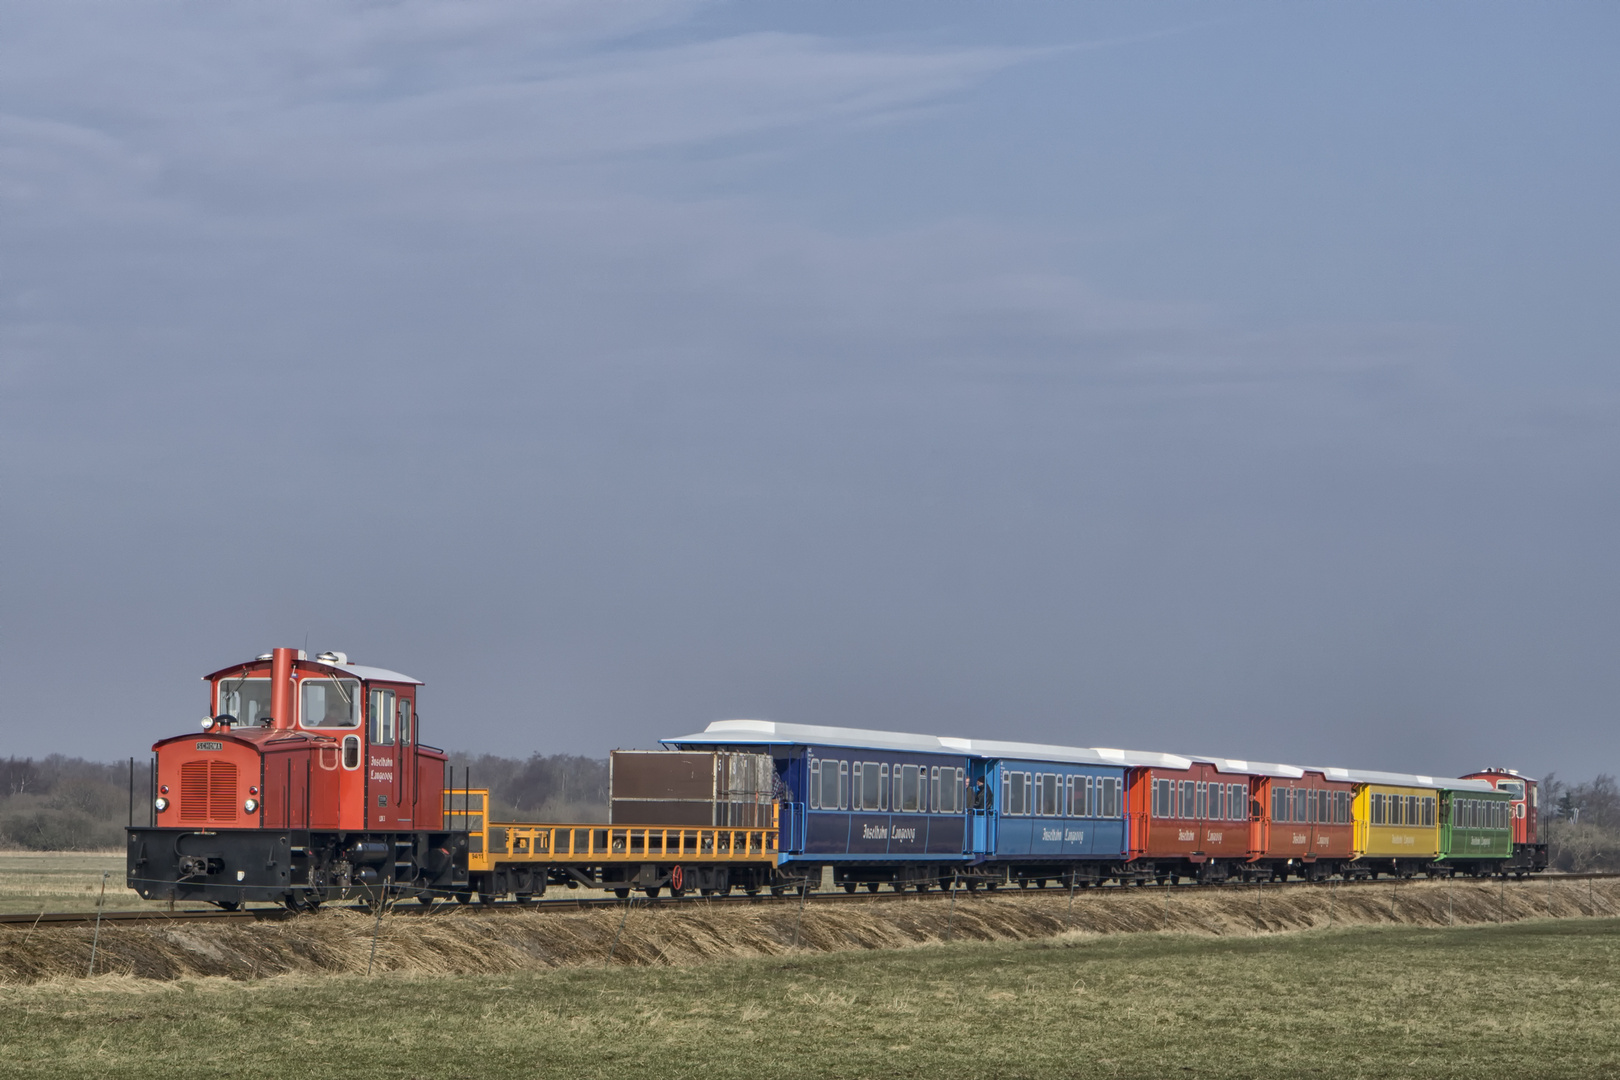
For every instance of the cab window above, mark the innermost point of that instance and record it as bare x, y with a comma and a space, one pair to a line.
329, 703
248, 700
382, 718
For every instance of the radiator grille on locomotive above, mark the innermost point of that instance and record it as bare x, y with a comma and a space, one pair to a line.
208, 791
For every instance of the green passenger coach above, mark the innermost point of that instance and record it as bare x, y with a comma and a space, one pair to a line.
1476, 830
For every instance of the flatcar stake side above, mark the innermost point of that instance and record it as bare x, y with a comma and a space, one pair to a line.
309, 782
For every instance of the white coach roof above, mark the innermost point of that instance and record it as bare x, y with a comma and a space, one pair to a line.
1393, 779
770, 732
1252, 768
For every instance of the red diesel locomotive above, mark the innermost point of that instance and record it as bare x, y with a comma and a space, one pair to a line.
307, 781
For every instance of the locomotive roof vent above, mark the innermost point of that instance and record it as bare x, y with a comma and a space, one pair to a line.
333, 657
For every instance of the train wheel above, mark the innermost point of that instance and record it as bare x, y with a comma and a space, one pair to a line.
622, 894
463, 897
872, 886
972, 885
425, 897
849, 886
724, 890
229, 905
651, 891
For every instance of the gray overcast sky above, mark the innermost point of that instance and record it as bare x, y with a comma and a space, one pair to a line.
1232, 379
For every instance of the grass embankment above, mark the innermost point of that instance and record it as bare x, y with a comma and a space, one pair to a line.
453, 940
1532, 999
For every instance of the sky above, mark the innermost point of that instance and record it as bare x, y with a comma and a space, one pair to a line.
1221, 379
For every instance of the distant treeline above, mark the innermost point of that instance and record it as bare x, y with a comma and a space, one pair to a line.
1581, 823
541, 787
68, 804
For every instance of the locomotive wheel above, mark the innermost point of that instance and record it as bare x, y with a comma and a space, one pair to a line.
463, 897
425, 897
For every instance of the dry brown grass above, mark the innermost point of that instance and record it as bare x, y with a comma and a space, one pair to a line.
460, 941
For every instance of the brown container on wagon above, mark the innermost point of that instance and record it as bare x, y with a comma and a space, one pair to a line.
677, 787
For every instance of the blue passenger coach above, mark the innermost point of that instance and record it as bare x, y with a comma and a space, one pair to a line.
1060, 811
885, 807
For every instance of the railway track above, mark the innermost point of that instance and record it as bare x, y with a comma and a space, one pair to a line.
586, 903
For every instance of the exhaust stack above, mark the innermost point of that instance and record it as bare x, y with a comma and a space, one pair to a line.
281, 688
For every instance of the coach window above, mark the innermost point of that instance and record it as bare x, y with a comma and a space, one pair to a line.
814, 769
868, 785
404, 721
828, 796
329, 703
910, 793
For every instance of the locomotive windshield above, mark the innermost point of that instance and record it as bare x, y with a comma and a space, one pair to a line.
248, 700
329, 703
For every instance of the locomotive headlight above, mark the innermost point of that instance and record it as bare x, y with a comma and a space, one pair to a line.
161, 803
251, 805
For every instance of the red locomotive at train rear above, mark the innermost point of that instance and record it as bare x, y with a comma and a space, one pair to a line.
306, 781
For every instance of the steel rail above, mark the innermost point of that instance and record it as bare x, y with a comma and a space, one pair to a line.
588, 903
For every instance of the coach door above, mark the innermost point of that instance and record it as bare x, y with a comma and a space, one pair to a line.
387, 802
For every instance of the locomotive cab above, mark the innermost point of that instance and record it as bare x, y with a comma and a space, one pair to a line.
306, 778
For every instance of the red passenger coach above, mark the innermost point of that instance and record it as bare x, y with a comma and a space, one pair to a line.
307, 780
1188, 822
1306, 824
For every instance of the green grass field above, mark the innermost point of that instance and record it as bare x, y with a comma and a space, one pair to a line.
1534, 999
